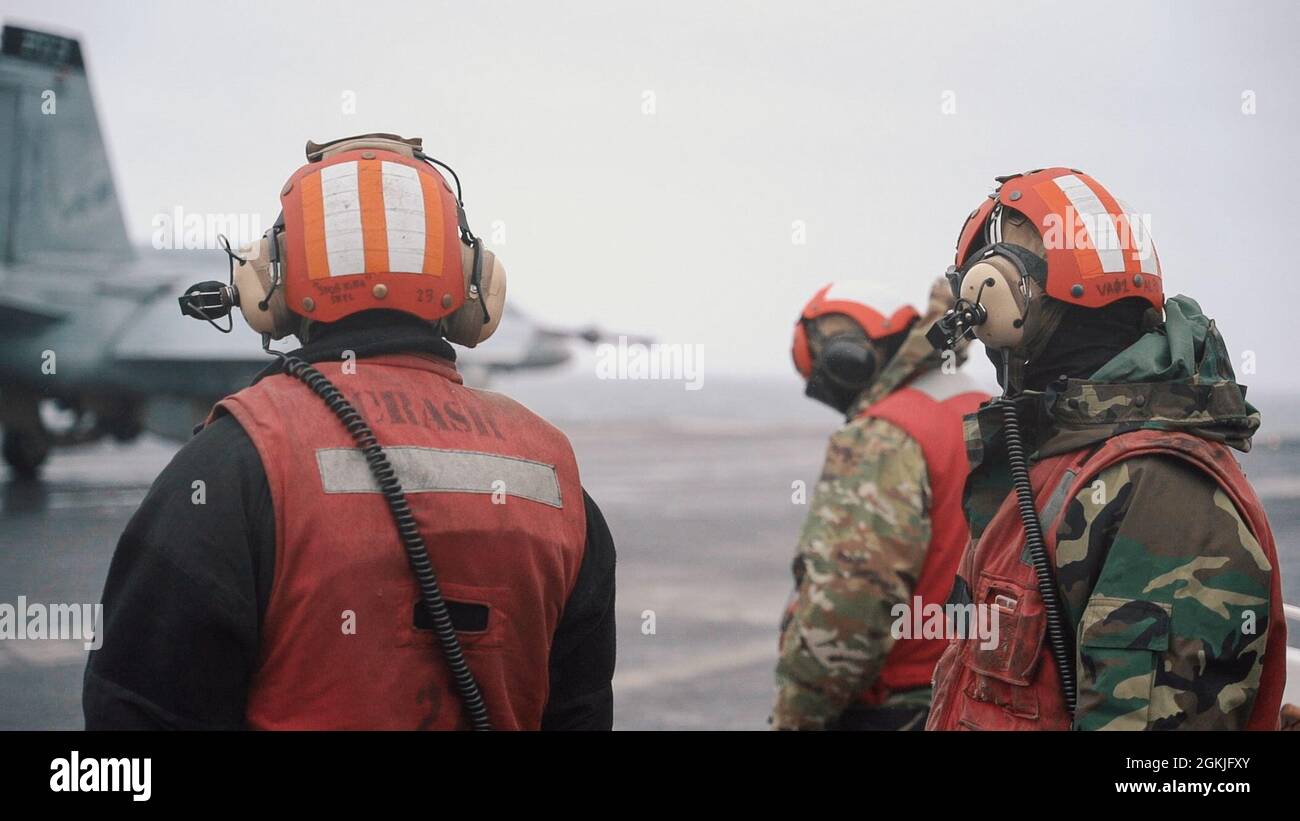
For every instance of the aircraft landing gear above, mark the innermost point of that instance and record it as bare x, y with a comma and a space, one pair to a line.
30, 435
25, 451
26, 443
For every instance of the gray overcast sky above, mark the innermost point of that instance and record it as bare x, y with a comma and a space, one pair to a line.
679, 222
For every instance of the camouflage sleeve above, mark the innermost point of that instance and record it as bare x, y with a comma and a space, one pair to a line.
1171, 633
860, 552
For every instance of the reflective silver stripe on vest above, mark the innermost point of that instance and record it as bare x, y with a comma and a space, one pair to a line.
430, 470
1057, 500
1055, 503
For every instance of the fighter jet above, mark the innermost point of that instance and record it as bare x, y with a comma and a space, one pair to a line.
91, 341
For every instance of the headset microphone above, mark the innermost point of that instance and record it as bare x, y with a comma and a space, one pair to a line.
958, 323
210, 301
994, 292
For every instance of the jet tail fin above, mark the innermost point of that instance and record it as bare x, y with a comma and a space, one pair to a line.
57, 198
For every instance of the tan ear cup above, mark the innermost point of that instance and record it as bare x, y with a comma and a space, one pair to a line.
253, 279
465, 325
995, 284
493, 289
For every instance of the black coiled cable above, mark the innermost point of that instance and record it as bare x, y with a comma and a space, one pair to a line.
1060, 640
412, 541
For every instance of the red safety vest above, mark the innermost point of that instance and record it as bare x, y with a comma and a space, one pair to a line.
1015, 686
936, 425
496, 493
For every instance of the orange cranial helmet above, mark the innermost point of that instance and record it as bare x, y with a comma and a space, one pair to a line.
1098, 250
369, 223
844, 298
370, 229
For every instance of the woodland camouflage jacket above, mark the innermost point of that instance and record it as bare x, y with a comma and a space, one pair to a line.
1149, 527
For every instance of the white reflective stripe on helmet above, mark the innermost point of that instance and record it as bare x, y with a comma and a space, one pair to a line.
1096, 220
341, 204
1144, 247
404, 218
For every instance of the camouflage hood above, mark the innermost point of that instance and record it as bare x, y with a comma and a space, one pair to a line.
1178, 377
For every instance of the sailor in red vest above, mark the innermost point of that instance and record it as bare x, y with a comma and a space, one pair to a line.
1116, 544
884, 528
357, 540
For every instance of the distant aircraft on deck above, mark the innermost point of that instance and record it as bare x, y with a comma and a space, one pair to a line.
90, 334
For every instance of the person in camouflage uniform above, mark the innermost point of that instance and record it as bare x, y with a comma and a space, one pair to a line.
1163, 560
866, 541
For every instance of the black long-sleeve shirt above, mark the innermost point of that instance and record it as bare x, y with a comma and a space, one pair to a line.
189, 584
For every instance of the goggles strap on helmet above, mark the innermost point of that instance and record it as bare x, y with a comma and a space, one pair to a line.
994, 227
273, 254
476, 280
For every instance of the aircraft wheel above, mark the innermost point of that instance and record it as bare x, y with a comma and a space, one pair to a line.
25, 452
